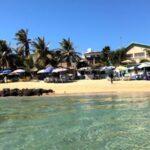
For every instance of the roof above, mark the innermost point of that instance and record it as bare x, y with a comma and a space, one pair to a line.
137, 44
92, 54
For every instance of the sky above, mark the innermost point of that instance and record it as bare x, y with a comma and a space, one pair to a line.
89, 23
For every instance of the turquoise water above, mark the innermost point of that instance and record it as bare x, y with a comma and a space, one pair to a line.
101, 122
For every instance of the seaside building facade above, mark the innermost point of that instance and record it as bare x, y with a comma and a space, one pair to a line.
137, 52
92, 57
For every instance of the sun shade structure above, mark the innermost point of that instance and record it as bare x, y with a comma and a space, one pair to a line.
121, 68
144, 65
57, 70
41, 71
34, 69
84, 69
47, 70
127, 61
107, 68
5, 72
18, 71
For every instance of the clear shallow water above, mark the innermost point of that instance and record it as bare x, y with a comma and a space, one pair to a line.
108, 122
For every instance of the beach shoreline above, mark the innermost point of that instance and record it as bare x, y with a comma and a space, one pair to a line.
84, 87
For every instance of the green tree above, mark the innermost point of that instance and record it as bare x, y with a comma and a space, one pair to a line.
118, 56
20, 57
144, 60
68, 53
106, 55
43, 56
23, 41
24, 48
6, 56
148, 52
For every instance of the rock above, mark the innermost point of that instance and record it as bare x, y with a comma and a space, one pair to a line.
14, 92
6, 92
24, 92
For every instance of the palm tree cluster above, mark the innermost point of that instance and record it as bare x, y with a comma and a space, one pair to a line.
35, 53
113, 57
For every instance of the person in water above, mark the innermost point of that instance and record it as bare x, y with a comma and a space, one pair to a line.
111, 76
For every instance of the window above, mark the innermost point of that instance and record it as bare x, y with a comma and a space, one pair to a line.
139, 54
130, 55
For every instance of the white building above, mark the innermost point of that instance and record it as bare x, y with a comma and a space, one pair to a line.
137, 52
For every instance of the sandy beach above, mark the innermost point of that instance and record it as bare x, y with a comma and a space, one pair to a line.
84, 86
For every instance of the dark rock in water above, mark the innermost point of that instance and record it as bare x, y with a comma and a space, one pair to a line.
24, 92
14, 92
20, 93
40, 92
6, 92
50, 91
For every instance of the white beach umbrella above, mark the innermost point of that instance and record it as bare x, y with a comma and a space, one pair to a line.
19, 71
106, 68
57, 70
110, 67
131, 68
41, 71
121, 68
127, 61
103, 68
144, 65
84, 68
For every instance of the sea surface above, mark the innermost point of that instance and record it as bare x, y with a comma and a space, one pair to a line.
102, 122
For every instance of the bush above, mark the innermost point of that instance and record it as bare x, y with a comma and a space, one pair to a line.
144, 60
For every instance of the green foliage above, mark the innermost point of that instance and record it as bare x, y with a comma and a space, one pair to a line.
6, 56
68, 53
148, 53
106, 55
118, 56
28, 62
42, 54
144, 60
66, 45
23, 42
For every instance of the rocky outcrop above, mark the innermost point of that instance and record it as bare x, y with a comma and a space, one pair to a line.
24, 92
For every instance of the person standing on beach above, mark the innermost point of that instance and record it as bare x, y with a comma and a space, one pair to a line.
111, 76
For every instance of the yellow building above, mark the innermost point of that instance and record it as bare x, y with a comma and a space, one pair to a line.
138, 52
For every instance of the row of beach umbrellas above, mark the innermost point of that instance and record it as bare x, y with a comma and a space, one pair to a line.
47, 70
8, 71
57, 70
119, 68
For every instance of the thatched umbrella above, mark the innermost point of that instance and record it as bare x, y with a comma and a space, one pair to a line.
127, 62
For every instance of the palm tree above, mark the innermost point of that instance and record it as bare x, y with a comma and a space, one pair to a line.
6, 56
43, 56
20, 56
68, 53
118, 56
106, 55
23, 41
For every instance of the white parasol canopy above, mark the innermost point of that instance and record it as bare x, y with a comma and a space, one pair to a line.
106, 68
19, 71
127, 61
121, 68
57, 70
84, 68
131, 68
144, 65
41, 71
